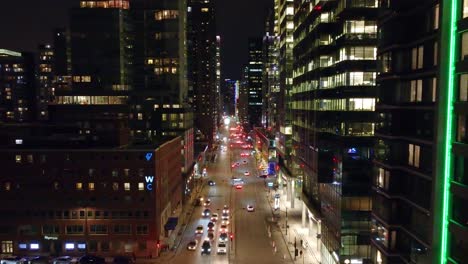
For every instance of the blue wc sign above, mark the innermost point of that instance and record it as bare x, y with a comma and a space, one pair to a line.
149, 182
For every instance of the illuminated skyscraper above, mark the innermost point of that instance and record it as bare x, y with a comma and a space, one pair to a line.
254, 82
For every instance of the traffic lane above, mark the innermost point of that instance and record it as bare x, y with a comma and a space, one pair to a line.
253, 244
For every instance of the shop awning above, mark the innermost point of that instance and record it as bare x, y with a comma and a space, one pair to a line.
171, 223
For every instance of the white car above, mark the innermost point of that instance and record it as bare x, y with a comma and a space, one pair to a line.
250, 208
11, 260
192, 245
222, 248
246, 173
225, 222
226, 209
199, 230
225, 216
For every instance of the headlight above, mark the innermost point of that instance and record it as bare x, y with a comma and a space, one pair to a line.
209, 249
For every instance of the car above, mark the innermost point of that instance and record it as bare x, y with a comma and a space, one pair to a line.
225, 222
214, 217
10, 260
238, 186
199, 230
64, 260
192, 245
237, 164
35, 260
263, 176
250, 208
211, 183
207, 202
244, 161
225, 209
210, 226
223, 237
91, 259
225, 216
222, 248
246, 173
206, 213
206, 247
210, 236
223, 228
123, 260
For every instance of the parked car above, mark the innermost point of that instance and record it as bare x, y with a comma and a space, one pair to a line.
123, 260
91, 259
35, 260
10, 260
64, 260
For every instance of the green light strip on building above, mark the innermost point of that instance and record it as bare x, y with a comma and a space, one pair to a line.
448, 129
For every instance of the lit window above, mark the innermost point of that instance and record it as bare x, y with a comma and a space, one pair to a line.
461, 129
7, 186
463, 87
79, 186
34, 246
115, 186
205, 9
414, 152
69, 246
464, 46
91, 186
416, 91
127, 186
436, 17
289, 10
465, 8
18, 158
141, 186
417, 55
166, 14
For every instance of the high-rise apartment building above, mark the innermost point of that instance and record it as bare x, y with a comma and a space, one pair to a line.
404, 176
17, 86
243, 97
284, 29
333, 109
254, 82
202, 45
45, 82
270, 82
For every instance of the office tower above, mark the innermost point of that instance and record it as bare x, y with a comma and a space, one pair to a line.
218, 98
159, 103
100, 66
45, 82
202, 64
284, 29
17, 86
243, 97
333, 104
62, 61
270, 76
228, 97
254, 82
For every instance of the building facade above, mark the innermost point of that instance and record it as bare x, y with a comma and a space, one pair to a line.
333, 109
17, 86
121, 208
254, 82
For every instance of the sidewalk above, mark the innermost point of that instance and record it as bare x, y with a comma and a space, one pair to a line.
296, 232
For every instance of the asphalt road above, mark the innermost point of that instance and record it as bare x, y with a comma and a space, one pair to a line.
251, 243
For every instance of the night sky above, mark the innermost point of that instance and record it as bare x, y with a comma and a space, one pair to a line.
26, 23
